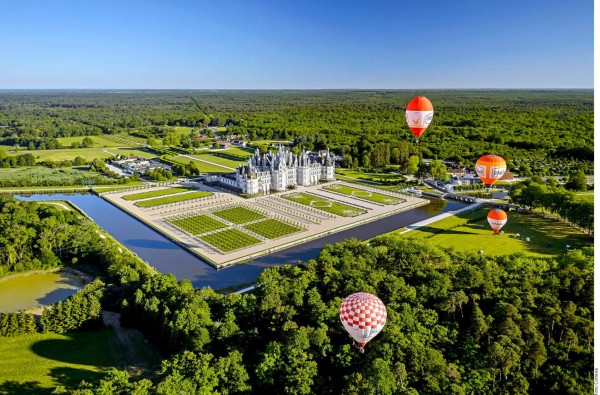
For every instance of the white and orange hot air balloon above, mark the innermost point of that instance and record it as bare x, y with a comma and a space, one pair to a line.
363, 315
490, 168
419, 114
497, 219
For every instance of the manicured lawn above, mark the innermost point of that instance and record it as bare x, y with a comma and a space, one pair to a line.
139, 152
204, 167
44, 361
382, 178
324, 204
363, 194
221, 159
198, 224
471, 232
230, 240
272, 229
239, 215
173, 199
161, 192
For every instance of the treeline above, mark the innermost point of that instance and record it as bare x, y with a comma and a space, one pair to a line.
457, 323
538, 132
82, 310
555, 200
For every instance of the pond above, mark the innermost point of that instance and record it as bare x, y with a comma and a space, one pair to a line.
33, 290
168, 257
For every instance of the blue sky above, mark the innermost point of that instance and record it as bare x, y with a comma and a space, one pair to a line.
296, 44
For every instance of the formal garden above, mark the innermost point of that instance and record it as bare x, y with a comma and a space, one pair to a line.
272, 229
173, 199
230, 240
161, 192
239, 215
198, 224
363, 194
324, 204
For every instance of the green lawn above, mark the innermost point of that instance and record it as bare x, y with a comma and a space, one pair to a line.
230, 240
43, 176
139, 152
239, 215
204, 167
36, 363
198, 224
161, 192
471, 232
272, 229
173, 199
362, 194
221, 158
59, 155
374, 176
324, 204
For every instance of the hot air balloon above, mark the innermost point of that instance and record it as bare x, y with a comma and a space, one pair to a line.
497, 218
490, 168
419, 114
363, 315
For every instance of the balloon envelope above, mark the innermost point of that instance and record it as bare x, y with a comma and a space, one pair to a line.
497, 219
490, 168
363, 315
419, 114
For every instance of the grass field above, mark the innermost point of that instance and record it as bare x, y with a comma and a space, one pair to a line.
362, 194
221, 158
198, 224
173, 199
204, 167
44, 176
382, 178
471, 232
272, 229
99, 141
161, 192
36, 363
239, 215
324, 204
230, 240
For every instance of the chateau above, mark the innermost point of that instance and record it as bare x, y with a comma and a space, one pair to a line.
278, 171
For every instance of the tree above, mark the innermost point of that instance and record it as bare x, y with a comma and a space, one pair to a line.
438, 170
577, 181
87, 142
413, 165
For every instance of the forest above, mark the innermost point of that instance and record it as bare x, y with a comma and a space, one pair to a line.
545, 132
457, 323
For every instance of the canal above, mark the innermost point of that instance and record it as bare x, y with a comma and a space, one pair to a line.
167, 257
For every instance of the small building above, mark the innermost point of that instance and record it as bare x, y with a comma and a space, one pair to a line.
224, 144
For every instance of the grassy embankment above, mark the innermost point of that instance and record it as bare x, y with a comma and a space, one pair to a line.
470, 231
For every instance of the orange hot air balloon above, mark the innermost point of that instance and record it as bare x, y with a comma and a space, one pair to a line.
490, 168
419, 114
497, 218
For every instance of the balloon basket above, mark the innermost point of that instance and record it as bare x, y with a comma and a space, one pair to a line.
360, 348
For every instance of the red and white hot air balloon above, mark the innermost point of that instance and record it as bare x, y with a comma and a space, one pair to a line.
363, 315
490, 168
497, 219
419, 114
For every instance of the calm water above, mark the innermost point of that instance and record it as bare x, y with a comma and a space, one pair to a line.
167, 257
38, 289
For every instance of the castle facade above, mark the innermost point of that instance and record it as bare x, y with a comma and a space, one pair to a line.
277, 171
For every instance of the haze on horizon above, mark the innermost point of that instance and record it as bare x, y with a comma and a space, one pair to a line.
306, 45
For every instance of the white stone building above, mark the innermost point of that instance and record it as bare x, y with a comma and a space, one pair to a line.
278, 171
